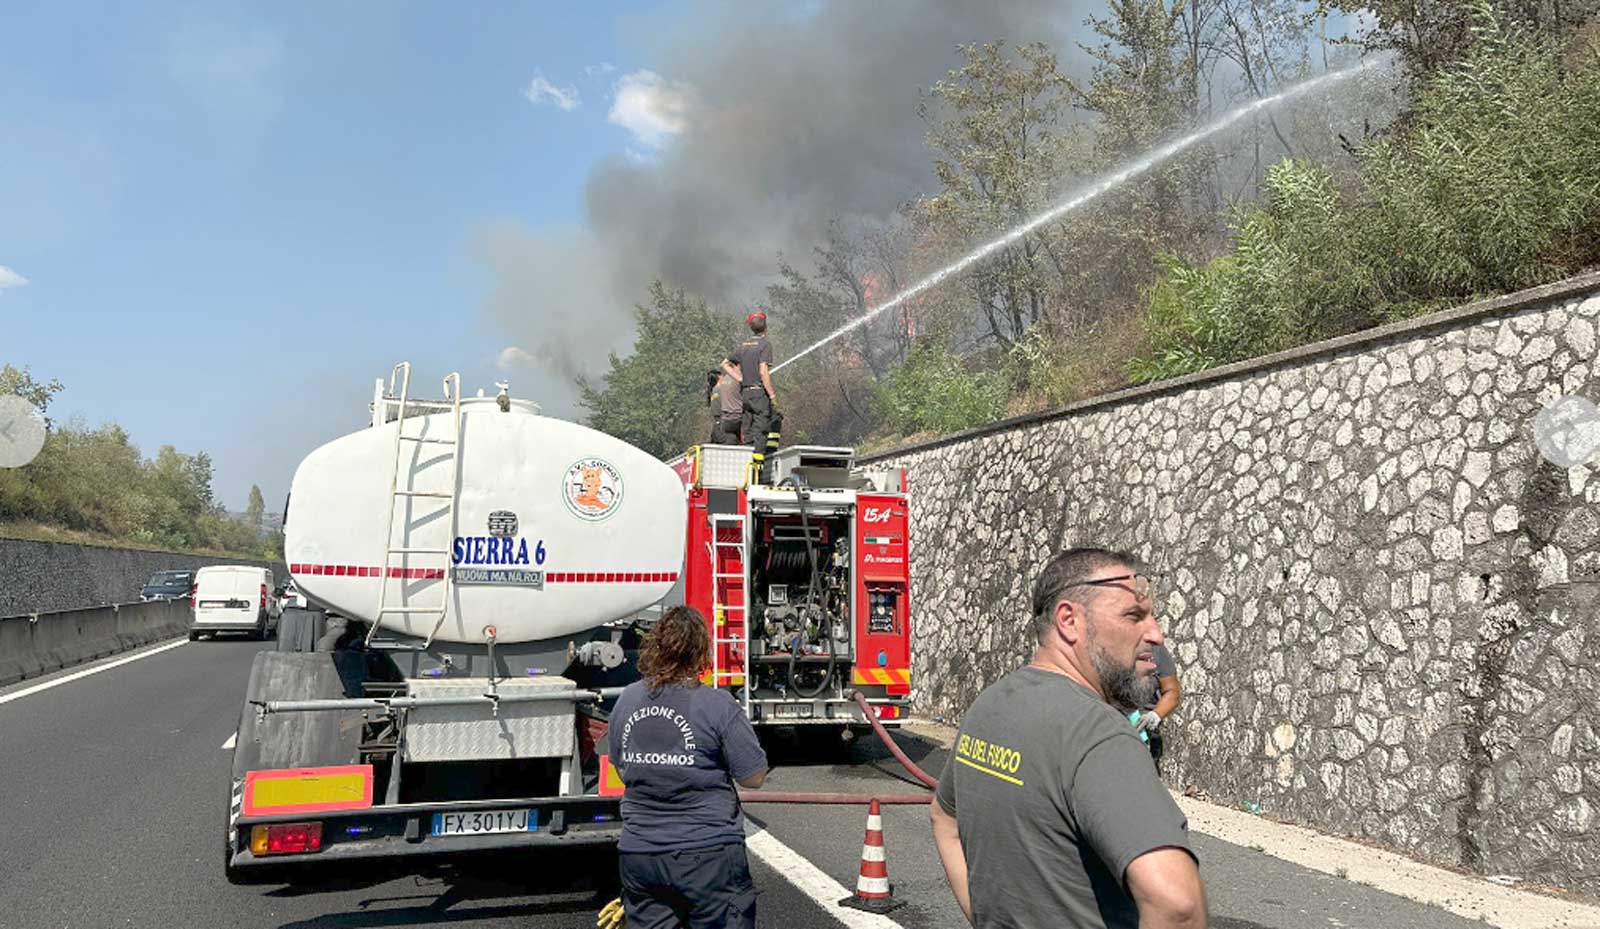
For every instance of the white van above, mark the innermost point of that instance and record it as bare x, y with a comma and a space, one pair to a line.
234, 598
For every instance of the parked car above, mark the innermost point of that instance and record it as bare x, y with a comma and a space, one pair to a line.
234, 598
168, 585
290, 598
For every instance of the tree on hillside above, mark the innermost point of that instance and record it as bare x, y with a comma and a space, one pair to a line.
856, 269
256, 509
1431, 35
1140, 94
655, 397
1142, 84
197, 468
20, 381
997, 130
1268, 42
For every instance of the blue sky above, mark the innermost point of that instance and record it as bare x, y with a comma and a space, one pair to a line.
231, 218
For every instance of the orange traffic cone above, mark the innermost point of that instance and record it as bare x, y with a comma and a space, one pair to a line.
873, 892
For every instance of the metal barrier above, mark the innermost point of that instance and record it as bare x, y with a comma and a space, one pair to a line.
38, 643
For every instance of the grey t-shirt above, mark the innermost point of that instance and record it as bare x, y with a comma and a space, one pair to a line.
728, 402
678, 753
749, 355
1054, 796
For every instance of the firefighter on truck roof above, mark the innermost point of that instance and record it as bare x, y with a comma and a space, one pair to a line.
727, 409
751, 362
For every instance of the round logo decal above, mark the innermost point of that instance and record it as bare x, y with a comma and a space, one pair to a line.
592, 489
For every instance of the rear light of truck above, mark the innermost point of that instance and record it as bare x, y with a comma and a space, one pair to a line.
886, 712
194, 592
263, 596
286, 839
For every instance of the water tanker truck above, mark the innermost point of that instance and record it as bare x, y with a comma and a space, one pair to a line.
484, 576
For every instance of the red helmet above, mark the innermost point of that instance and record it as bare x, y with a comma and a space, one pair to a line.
755, 315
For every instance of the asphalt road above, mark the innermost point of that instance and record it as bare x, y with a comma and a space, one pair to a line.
113, 791
1246, 889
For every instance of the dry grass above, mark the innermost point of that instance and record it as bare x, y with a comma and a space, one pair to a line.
36, 532
1085, 363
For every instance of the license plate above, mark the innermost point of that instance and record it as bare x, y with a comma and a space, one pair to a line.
485, 822
213, 604
793, 711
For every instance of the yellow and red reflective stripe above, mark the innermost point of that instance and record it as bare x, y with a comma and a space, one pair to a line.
610, 781
882, 676
307, 790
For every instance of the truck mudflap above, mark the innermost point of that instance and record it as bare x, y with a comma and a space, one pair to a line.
279, 846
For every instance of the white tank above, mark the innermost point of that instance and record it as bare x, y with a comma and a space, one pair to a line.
555, 529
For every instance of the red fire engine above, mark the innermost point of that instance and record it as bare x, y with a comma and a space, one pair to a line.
805, 582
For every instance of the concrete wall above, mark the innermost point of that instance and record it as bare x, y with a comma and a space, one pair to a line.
41, 643
38, 577
1382, 599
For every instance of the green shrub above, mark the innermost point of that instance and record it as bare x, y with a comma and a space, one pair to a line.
1495, 184
933, 391
1492, 184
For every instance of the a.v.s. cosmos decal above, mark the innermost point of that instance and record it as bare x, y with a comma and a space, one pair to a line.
592, 489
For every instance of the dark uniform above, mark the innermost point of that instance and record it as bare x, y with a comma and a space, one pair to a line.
756, 421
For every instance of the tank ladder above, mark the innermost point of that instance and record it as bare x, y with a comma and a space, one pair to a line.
721, 589
397, 494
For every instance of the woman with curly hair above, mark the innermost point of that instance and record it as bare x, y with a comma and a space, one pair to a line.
680, 747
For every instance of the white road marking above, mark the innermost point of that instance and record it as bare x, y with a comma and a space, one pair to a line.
29, 691
228, 745
811, 880
1465, 896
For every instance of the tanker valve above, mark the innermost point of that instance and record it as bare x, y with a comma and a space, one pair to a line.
606, 655
490, 633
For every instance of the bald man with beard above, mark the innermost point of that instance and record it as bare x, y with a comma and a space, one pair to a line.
1049, 812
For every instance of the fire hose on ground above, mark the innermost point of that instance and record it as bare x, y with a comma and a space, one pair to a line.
747, 796
612, 915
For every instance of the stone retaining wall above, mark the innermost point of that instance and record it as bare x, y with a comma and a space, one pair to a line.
1382, 599
40, 577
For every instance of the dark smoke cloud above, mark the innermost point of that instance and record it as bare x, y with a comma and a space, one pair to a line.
794, 121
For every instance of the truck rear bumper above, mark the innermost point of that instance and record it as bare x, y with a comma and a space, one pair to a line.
226, 622
404, 833
826, 711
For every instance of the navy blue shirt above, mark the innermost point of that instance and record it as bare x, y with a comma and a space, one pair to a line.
679, 753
